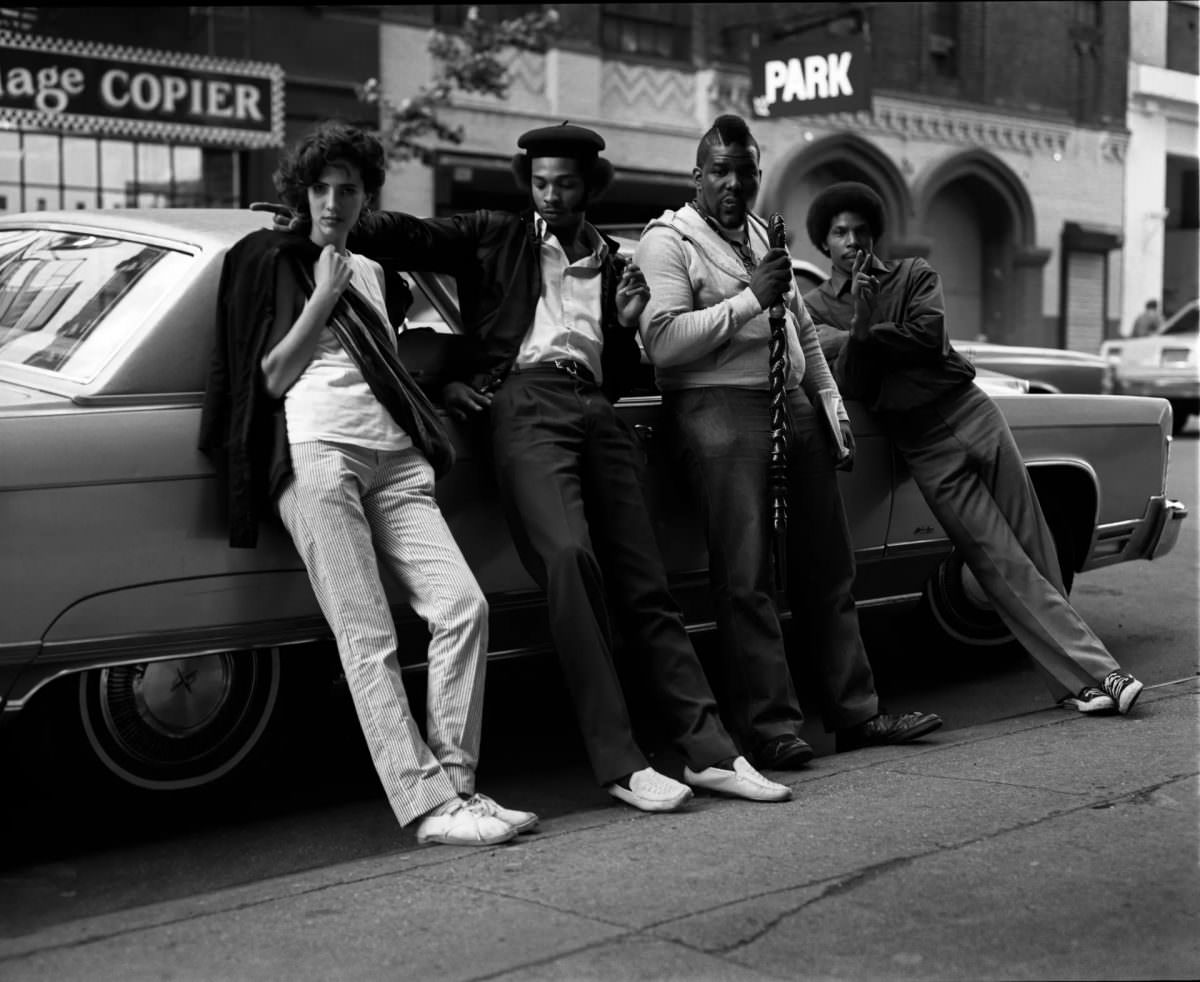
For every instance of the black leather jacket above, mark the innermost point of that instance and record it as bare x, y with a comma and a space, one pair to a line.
495, 260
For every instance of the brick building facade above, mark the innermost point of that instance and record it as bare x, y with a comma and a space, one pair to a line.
996, 135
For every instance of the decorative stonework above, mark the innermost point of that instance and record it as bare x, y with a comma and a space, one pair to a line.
1114, 146
644, 92
728, 92
958, 126
527, 85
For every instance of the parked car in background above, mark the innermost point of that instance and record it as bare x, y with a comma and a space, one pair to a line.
125, 615
1164, 364
1048, 370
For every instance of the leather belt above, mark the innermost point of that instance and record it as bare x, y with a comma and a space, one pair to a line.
568, 366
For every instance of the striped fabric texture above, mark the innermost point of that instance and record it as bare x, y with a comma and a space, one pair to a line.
350, 509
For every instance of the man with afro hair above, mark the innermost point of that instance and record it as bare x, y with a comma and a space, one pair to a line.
884, 332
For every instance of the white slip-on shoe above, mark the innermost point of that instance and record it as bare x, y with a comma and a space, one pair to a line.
741, 782
468, 825
519, 820
651, 791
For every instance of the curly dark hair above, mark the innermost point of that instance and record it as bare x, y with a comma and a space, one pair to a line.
332, 142
840, 197
597, 174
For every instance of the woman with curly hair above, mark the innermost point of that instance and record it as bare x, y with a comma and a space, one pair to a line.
348, 457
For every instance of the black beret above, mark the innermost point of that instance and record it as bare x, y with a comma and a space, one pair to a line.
564, 140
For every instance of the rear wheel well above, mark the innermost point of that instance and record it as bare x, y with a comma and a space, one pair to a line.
1070, 501
954, 602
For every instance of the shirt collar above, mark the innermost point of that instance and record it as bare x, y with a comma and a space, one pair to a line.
592, 237
839, 282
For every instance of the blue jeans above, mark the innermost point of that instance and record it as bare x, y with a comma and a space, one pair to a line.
722, 436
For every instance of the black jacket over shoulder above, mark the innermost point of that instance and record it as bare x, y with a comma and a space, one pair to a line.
239, 420
495, 259
242, 427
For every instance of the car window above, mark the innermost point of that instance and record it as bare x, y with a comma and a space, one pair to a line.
1187, 324
69, 300
424, 312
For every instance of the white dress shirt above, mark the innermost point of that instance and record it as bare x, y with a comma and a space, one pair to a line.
566, 323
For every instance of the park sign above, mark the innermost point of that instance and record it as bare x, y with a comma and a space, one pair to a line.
811, 75
83, 88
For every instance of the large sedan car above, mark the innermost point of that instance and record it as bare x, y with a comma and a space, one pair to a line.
121, 600
1165, 364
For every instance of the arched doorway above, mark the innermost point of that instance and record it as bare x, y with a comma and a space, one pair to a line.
978, 218
808, 169
970, 240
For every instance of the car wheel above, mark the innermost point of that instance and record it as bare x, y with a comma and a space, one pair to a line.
181, 723
956, 604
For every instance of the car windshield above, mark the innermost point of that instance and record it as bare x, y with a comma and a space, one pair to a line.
1187, 324
59, 291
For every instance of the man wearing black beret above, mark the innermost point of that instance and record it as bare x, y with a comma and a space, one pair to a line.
551, 316
883, 328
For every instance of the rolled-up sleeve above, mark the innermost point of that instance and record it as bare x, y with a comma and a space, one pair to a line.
673, 331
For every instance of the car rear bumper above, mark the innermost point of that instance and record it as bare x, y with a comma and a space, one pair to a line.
1168, 520
1181, 387
1149, 537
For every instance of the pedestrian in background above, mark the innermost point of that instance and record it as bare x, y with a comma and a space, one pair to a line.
551, 318
348, 448
712, 277
1147, 322
890, 349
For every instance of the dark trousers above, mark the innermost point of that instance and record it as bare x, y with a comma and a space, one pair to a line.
964, 459
571, 489
723, 438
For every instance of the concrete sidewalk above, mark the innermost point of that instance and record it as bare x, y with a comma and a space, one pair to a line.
1045, 846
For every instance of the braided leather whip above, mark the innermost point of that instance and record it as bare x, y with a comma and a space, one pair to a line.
777, 464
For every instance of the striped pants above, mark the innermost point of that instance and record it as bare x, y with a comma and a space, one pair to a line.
349, 510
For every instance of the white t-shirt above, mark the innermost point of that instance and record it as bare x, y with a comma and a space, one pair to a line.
331, 400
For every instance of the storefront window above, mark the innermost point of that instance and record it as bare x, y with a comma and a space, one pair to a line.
116, 173
40, 171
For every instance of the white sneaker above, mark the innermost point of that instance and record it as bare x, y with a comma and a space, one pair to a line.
521, 821
741, 782
467, 825
651, 791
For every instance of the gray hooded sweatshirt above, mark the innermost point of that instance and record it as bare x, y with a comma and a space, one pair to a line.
704, 325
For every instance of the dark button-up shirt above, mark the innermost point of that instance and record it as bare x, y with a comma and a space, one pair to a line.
907, 360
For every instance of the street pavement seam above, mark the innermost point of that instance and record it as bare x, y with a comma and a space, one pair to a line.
421, 864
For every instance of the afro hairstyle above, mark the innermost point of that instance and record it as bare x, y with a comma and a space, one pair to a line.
844, 196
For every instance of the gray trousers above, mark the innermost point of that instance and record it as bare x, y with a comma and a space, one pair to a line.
964, 459
344, 507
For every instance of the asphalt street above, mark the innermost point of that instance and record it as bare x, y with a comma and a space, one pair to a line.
74, 858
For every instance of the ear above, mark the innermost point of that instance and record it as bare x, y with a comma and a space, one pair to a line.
697, 173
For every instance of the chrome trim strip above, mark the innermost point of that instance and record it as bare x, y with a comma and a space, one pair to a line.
916, 547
